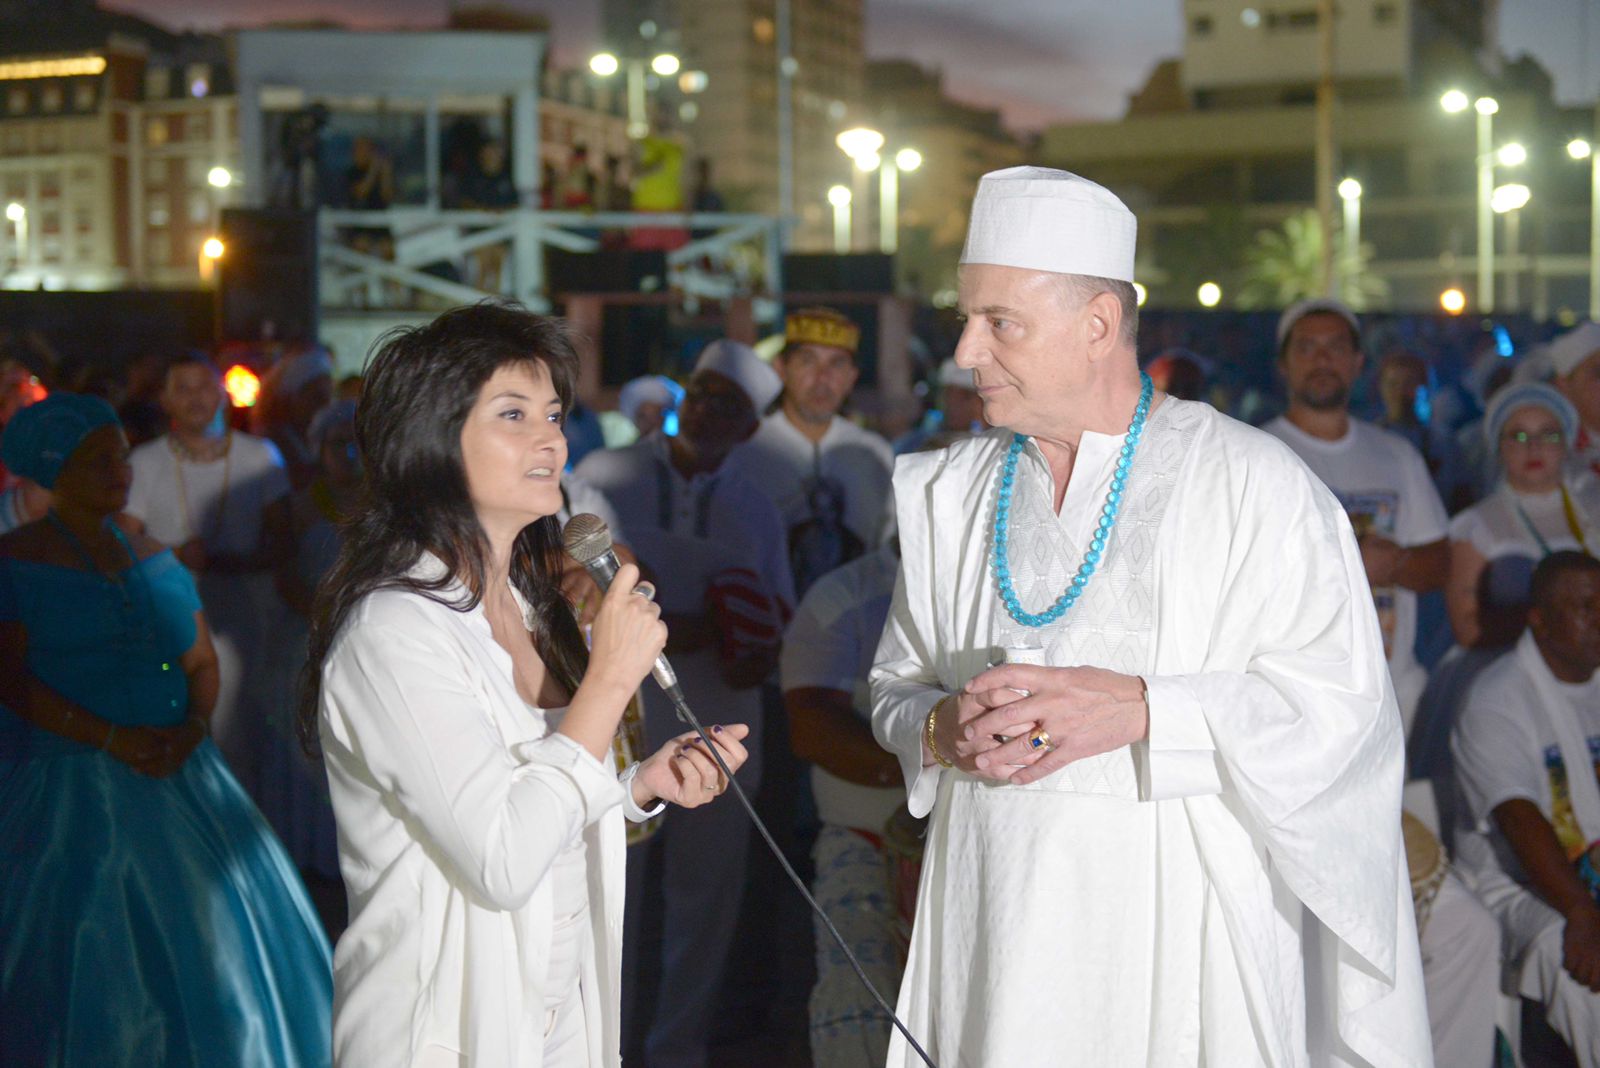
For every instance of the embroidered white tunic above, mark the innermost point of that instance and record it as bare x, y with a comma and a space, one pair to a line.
1150, 906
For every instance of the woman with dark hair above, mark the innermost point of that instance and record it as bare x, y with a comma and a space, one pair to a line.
147, 915
465, 727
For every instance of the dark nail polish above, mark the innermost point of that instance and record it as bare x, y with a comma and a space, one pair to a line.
717, 729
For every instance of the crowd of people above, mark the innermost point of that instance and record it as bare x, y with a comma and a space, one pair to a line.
158, 583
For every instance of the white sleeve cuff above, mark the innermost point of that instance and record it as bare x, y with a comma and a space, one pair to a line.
1182, 754
634, 813
922, 780
597, 785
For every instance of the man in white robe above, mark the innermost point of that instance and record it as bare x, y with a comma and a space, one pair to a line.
1526, 743
1187, 851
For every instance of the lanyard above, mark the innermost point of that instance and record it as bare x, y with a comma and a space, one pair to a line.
1570, 512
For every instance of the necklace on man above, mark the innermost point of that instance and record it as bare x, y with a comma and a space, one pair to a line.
182, 454
1097, 545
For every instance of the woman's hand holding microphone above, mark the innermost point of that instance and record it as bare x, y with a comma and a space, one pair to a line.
626, 638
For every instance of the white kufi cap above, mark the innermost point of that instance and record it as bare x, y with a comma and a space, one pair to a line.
1575, 346
748, 371
1042, 219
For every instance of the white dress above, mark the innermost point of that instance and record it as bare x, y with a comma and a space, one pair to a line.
1150, 906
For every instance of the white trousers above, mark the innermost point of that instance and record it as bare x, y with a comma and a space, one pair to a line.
1572, 1009
1461, 974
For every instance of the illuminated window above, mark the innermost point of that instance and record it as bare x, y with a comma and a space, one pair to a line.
17, 101
764, 31
83, 96
51, 98
155, 130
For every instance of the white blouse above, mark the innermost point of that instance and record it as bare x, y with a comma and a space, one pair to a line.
454, 803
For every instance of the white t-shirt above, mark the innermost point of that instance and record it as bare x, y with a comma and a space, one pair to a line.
1506, 750
221, 501
842, 480
1385, 488
830, 644
1508, 523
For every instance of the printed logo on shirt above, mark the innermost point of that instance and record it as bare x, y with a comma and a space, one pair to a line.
1376, 512
821, 542
1566, 826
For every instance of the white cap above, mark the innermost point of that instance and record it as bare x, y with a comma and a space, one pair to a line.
1572, 348
958, 377
1042, 219
648, 389
740, 363
1314, 306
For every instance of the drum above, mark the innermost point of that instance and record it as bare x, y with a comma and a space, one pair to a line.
627, 747
1426, 861
903, 839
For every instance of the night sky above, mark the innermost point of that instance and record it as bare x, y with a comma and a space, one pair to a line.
1038, 60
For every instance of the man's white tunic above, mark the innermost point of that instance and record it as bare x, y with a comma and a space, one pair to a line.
1231, 891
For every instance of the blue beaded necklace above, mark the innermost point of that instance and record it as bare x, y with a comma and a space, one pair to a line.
1097, 545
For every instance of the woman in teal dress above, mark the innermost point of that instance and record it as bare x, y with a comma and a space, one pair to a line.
147, 915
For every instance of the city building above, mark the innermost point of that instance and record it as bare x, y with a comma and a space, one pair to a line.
732, 116
958, 143
1220, 145
112, 133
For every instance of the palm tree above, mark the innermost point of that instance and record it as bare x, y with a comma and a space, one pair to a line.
1285, 265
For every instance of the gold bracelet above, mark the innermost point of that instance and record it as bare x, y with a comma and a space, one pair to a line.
927, 732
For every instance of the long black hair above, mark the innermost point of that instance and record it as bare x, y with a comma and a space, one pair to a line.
420, 386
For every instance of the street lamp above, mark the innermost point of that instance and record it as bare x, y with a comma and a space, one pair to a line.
1453, 301
219, 177
19, 219
1209, 294
1509, 200
861, 144
1454, 102
1350, 193
664, 64
1511, 155
906, 160
1580, 149
839, 197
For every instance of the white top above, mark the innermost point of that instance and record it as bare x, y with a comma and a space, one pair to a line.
1496, 526
716, 531
1507, 748
176, 509
1270, 778
849, 464
1385, 488
830, 644
454, 802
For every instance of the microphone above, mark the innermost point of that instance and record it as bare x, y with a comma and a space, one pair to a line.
587, 540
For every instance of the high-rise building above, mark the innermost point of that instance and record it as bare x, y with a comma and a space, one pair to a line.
958, 143
1220, 146
110, 129
1243, 52
734, 121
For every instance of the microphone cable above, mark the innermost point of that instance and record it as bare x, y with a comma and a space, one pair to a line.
687, 715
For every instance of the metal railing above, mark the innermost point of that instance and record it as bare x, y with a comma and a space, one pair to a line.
420, 258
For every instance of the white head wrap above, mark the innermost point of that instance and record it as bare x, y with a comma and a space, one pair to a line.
648, 389
740, 363
1572, 348
1041, 219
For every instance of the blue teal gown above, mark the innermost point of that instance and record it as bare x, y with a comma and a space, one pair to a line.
143, 921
